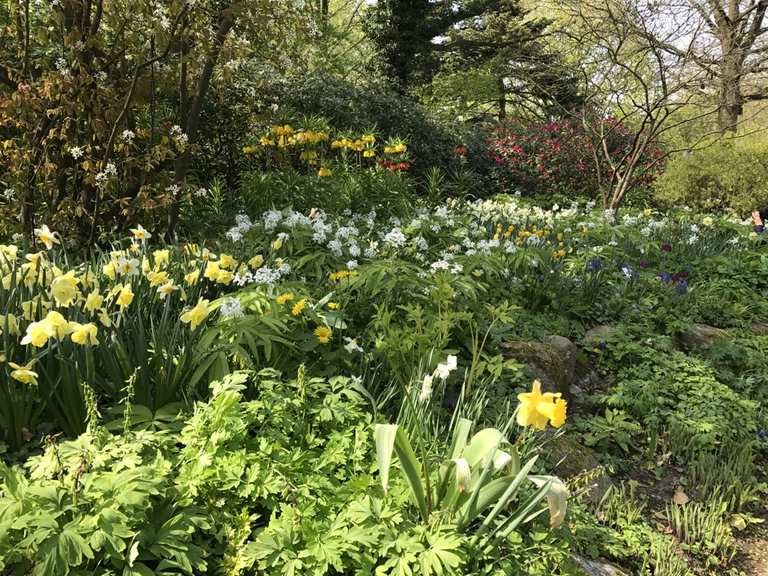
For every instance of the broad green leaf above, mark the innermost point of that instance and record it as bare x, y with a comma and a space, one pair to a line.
384, 435
482, 445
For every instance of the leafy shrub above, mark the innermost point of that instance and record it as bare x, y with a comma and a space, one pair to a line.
559, 160
280, 483
359, 108
727, 175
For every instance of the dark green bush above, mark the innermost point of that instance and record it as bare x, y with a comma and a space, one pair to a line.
355, 107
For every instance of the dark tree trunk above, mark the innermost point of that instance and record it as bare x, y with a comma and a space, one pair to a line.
226, 22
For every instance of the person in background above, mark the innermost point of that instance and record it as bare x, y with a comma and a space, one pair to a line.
759, 217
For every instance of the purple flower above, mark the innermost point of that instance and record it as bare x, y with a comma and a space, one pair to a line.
682, 287
666, 247
594, 264
762, 435
665, 277
643, 264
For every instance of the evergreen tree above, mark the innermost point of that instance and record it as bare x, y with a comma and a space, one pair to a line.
418, 39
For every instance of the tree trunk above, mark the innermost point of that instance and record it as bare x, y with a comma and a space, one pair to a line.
226, 23
730, 101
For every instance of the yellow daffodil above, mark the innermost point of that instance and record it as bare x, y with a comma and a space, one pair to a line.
197, 315
23, 374
161, 257
139, 233
707, 221
64, 289
157, 278
536, 409
57, 323
323, 172
212, 270
333, 305
125, 296
224, 277
167, 289
128, 266
8, 253
277, 243
256, 261
227, 261
9, 321
37, 334
298, 307
323, 334
109, 270
192, 278
84, 334
47, 237
93, 302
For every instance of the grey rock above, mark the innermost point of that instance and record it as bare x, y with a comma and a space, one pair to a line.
699, 336
594, 336
568, 354
570, 458
596, 567
542, 361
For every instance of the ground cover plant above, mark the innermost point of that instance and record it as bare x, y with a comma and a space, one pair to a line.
383, 288
359, 313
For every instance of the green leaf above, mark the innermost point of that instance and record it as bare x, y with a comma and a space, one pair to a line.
388, 436
482, 446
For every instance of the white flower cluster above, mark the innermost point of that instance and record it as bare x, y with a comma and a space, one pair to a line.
231, 308
442, 371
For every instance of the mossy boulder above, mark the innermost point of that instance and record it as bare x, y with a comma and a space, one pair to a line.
581, 566
759, 328
699, 336
547, 362
571, 458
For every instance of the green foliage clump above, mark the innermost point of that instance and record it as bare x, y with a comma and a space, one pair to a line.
724, 176
681, 395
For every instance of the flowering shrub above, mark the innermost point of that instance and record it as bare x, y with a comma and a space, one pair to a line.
313, 148
560, 159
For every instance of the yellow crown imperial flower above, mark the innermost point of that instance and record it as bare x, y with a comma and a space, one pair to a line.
197, 315
84, 334
536, 409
